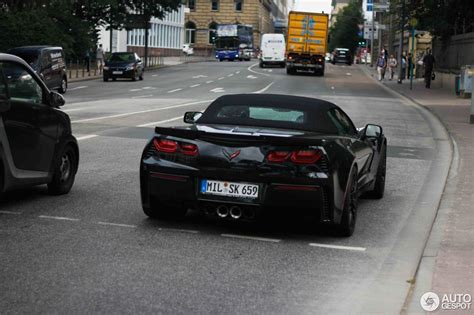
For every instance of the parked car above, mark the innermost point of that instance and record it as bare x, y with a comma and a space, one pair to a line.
49, 62
245, 53
188, 50
273, 48
37, 146
342, 55
123, 65
247, 153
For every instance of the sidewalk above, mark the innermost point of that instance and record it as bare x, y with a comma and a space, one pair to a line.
447, 266
82, 75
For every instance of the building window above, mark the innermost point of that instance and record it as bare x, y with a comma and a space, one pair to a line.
215, 5
192, 5
212, 33
190, 33
238, 5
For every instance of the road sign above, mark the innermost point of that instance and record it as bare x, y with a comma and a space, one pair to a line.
369, 7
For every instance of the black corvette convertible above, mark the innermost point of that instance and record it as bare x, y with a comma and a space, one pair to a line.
250, 153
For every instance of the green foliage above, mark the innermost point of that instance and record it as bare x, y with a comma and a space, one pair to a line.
344, 33
71, 24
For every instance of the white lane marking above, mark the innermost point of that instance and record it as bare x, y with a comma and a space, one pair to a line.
250, 69
251, 77
154, 75
217, 90
210, 81
194, 85
57, 218
135, 90
117, 224
348, 74
237, 72
78, 88
86, 137
264, 89
199, 76
10, 212
254, 238
269, 70
149, 88
221, 78
230, 75
360, 249
141, 112
175, 90
179, 230
160, 122
73, 109
142, 96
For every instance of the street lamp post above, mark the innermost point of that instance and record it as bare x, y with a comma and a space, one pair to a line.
400, 48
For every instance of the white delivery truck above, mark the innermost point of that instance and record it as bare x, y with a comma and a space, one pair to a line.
272, 50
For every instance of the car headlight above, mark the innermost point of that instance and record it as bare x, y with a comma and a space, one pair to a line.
129, 68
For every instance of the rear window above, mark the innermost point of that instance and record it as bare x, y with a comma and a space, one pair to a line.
122, 57
255, 113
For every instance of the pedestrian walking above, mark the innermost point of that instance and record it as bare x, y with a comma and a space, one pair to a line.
381, 66
99, 56
392, 66
87, 59
403, 61
385, 56
428, 63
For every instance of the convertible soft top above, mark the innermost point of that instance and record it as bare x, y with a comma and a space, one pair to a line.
314, 112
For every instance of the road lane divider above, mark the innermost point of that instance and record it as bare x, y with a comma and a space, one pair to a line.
253, 238
253, 71
264, 89
117, 224
140, 112
9, 212
77, 88
195, 85
57, 218
175, 90
73, 109
210, 81
230, 75
160, 122
360, 249
86, 137
221, 78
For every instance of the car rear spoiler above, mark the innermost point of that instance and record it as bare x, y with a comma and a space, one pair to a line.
239, 138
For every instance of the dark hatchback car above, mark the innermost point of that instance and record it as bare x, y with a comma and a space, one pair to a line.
123, 65
49, 62
342, 55
36, 143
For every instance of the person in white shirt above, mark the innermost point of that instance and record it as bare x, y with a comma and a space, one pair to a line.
99, 56
392, 66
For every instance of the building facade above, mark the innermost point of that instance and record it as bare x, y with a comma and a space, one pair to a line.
203, 16
337, 6
165, 37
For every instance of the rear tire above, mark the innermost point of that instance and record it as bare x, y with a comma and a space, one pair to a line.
63, 87
349, 215
261, 65
159, 211
64, 172
141, 76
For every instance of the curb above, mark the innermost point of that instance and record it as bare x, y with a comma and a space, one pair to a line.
427, 208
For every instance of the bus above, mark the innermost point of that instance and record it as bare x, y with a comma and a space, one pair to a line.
234, 41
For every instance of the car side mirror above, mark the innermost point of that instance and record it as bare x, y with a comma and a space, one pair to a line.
191, 117
4, 104
371, 131
56, 99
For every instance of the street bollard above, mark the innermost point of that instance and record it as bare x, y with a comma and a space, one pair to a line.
471, 120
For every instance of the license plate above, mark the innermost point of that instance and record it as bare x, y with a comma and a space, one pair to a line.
229, 189
117, 72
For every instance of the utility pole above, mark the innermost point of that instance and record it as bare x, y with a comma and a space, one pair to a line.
400, 48
379, 33
372, 38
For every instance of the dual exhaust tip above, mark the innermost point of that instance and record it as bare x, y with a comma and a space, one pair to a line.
234, 212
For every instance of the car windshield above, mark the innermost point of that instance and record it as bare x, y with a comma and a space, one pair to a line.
122, 57
226, 43
30, 57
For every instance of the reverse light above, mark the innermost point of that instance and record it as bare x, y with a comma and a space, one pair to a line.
305, 156
166, 146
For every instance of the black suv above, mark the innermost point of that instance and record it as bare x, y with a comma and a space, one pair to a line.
48, 62
36, 143
342, 55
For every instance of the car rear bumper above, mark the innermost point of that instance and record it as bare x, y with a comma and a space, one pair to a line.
181, 187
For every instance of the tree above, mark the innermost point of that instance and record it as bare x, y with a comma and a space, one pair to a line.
344, 33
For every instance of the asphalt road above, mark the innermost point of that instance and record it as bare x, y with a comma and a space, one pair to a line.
94, 251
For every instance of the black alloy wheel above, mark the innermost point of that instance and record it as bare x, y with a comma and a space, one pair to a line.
349, 216
63, 87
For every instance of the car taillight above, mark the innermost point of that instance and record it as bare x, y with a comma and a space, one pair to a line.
305, 156
166, 146
297, 157
189, 149
278, 156
290, 57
